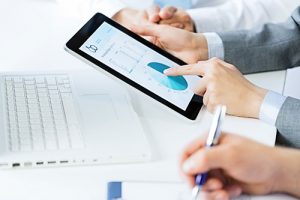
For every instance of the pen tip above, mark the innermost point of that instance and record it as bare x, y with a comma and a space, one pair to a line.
195, 192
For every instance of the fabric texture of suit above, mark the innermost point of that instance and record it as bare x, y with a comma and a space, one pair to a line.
268, 48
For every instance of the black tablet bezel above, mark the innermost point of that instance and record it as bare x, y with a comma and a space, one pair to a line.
92, 25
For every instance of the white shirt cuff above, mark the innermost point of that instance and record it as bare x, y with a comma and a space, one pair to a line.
206, 19
270, 107
215, 45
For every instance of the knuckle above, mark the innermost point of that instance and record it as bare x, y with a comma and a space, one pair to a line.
186, 17
175, 69
231, 151
215, 71
197, 91
188, 68
209, 107
212, 103
232, 67
215, 60
212, 86
205, 158
213, 68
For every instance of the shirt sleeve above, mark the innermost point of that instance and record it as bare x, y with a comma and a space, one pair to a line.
241, 14
215, 45
272, 102
270, 107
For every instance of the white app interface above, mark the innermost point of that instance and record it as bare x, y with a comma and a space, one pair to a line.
139, 63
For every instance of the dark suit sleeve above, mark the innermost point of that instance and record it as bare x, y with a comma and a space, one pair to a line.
266, 48
288, 123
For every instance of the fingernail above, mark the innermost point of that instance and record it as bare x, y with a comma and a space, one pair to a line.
167, 71
187, 166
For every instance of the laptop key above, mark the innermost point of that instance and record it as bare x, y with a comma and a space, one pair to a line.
50, 144
41, 113
14, 145
26, 147
63, 141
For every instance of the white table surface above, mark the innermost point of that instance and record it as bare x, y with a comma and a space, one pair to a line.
32, 36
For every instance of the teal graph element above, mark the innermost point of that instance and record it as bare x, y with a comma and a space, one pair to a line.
172, 82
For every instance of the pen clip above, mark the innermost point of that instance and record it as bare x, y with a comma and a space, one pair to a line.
219, 125
215, 129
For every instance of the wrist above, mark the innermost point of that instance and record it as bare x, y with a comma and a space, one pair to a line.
200, 47
256, 98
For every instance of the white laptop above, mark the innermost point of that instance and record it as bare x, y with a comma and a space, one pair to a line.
54, 119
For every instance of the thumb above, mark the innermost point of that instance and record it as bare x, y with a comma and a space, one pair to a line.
153, 13
146, 30
205, 160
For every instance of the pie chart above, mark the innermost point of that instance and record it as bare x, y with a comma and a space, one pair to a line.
171, 82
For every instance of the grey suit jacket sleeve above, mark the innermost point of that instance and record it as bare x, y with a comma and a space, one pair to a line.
288, 123
266, 48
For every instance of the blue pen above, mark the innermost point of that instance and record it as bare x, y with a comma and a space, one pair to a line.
213, 137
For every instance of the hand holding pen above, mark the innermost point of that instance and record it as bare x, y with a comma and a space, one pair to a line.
212, 139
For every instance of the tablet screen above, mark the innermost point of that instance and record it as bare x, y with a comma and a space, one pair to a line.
139, 63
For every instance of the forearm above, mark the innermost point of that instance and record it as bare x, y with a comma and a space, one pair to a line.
288, 176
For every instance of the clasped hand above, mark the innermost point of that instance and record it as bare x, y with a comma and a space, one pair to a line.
169, 15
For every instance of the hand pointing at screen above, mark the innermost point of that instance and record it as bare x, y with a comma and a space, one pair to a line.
222, 83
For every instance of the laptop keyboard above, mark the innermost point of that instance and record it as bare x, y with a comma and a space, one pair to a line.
41, 113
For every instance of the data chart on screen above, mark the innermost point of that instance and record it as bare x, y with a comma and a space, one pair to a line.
139, 63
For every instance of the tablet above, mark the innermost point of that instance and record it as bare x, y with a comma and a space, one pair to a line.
122, 54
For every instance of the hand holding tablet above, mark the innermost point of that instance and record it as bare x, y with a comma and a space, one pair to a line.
122, 54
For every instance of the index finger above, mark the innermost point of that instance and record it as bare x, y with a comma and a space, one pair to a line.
192, 147
187, 152
194, 69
